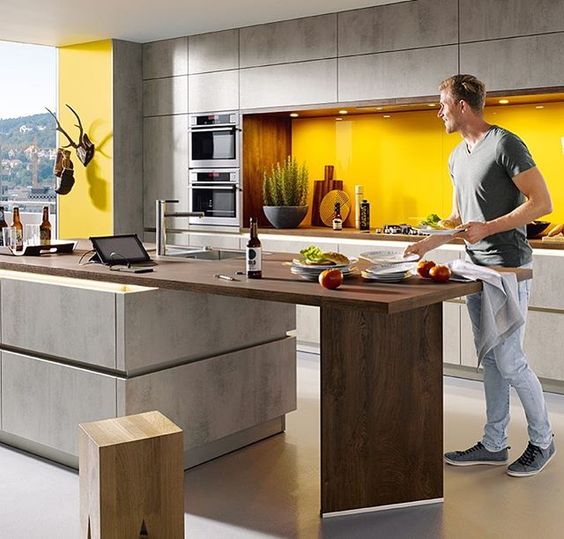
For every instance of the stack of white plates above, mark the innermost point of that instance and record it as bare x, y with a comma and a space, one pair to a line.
389, 273
311, 271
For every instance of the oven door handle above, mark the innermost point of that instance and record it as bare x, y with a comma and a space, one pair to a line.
212, 184
207, 128
215, 186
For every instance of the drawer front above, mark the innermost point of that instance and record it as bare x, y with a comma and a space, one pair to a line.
216, 397
44, 402
60, 321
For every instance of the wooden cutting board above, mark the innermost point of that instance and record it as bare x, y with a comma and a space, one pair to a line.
320, 189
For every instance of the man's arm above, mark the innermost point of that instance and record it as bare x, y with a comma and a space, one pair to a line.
433, 241
531, 183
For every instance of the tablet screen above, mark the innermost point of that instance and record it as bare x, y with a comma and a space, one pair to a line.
124, 249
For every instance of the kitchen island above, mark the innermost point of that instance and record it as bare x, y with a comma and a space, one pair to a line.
381, 369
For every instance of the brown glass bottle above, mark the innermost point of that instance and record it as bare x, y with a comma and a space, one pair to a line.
254, 253
17, 224
45, 228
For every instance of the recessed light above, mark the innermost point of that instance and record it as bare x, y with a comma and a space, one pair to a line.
387, 116
339, 119
379, 108
503, 101
294, 114
343, 112
430, 104
539, 107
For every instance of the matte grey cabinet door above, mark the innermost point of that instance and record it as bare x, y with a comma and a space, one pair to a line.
521, 62
216, 397
547, 288
61, 321
411, 73
289, 84
177, 326
309, 38
406, 25
165, 58
165, 164
45, 402
165, 96
493, 19
210, 92
451, 333
216, 51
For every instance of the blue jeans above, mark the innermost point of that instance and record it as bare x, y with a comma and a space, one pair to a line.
504, 366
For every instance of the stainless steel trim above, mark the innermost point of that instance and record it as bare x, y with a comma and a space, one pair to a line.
160, 224
217, 186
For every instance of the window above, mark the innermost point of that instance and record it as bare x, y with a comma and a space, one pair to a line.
27, 131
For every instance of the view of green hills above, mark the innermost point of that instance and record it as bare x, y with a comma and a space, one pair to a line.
16, 136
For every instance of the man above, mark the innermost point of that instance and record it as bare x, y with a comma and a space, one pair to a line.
497, 190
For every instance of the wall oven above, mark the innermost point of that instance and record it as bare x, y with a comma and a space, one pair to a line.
216, 193
214, 140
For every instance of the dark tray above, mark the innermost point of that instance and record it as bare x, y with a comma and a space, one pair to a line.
54, 247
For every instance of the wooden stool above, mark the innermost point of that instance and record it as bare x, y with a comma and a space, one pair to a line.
131, 478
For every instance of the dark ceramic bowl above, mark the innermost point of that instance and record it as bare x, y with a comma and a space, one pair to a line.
536, 227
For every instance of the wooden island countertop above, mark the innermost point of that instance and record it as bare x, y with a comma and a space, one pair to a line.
381, 368
277, 284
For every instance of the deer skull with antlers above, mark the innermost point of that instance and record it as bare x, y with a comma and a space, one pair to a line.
84, 148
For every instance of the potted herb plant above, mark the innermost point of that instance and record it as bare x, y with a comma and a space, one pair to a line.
284, 190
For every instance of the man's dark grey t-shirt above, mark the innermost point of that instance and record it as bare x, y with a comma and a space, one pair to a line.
485, 190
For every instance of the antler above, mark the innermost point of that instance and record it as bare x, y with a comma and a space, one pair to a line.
79, 123
61, 130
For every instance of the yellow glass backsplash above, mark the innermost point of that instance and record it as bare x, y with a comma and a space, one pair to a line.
402, 161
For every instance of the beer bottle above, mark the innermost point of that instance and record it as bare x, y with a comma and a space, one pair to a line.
254, 253
337, 219
17, 224
45, 228
2, 224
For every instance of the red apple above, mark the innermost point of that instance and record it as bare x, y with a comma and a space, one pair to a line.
331, 278
440, 273
424, 266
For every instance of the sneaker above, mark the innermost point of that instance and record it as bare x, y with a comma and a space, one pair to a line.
532, 461
476, 454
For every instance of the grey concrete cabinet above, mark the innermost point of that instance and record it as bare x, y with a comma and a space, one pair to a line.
451, 333
261, 384
60, 321
45, 402
216, 51
177, 327
408, 73
547, 290
289, 84
310, 38
493, 19
166, 58
522, 62
214, 91
165, 96
221, 241
165, 164
406, 25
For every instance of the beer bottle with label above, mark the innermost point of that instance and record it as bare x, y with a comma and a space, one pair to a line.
3, 224
337, 219
17, 224
45, 228
365, 215
254, 253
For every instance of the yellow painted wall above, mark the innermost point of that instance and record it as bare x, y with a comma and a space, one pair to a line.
85, 83
402, 161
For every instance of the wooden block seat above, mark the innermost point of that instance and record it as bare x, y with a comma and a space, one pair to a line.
131, 478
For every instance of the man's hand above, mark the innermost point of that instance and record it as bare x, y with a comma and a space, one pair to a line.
474, 231
419, 248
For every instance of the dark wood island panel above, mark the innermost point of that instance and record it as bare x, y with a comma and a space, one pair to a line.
382, 408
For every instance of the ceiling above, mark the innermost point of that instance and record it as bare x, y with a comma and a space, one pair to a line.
65, 22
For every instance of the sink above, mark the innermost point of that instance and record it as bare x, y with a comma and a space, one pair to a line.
200, 253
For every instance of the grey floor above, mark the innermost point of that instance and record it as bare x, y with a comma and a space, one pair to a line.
271, 489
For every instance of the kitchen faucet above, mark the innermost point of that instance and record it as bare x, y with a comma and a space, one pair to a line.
161, 215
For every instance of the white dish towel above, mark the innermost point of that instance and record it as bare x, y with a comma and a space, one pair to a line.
501, 314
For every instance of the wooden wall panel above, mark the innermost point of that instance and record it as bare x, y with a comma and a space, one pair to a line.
268, 139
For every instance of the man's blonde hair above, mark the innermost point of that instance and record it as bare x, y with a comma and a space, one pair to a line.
467, 88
